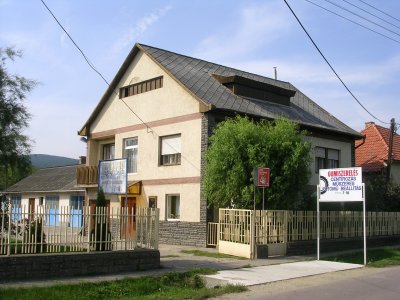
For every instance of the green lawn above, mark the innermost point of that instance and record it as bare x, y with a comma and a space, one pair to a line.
377, 258
211, 254
189, 285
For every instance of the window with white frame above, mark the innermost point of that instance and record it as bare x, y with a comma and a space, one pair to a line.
108, 151
131, 153
326, 158
173, 207
170, 152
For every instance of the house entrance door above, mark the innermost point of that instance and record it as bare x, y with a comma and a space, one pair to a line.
128, 221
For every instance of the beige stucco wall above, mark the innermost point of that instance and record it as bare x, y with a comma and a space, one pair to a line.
344, 154
165, 104
169, 101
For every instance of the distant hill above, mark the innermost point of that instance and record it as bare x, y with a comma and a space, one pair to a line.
45, 161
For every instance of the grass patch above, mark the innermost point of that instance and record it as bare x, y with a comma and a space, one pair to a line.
377, 258
167, 256
211, 254
188, 285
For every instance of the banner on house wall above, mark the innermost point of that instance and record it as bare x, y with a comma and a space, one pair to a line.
343, 184
113, 176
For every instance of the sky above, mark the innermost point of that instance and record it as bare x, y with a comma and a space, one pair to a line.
253, 36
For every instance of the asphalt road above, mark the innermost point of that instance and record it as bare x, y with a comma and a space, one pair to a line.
365, 284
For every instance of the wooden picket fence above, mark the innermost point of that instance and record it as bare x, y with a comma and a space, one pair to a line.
282, 226
28, 230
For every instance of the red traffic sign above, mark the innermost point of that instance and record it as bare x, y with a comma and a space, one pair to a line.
261, 177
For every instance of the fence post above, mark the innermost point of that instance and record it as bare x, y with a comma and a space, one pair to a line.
253, 235
156, 227
9, 232
88, 230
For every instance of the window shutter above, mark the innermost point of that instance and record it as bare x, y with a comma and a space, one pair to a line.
171, 144
319, 152
333, 154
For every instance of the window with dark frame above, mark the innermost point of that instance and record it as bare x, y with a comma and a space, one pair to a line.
326, 158
141, 87
153, 202
173, 207
170, 150
108, 151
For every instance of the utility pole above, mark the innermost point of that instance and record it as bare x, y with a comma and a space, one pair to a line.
389, 163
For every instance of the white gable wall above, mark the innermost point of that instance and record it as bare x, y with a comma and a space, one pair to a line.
169, 101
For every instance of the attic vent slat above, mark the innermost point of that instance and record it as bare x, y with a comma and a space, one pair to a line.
141, 87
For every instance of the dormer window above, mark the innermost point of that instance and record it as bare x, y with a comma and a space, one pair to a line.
254, 89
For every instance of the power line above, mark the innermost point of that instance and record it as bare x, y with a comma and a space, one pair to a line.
361, 17
98, 72
333, 70
354, 22
381, 11
366, 11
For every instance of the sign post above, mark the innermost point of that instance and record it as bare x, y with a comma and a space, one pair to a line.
341, 185
260, 179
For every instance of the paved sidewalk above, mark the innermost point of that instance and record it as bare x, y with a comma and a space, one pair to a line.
272, 273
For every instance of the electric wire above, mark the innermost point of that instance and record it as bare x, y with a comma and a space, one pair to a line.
381, 11
99, 73
371, 14
361, 17
354, 22
331, 67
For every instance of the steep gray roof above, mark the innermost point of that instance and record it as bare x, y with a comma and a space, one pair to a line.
198, 78
57, 179
196, 75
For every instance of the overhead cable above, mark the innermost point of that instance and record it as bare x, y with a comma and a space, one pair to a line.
331, 67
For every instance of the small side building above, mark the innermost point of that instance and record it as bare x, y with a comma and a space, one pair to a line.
52, 188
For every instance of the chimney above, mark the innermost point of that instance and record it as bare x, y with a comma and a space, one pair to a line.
368, 124
82, 160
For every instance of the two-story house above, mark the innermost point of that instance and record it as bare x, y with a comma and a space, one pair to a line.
159, 112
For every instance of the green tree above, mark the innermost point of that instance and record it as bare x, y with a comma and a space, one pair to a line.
239, 145
14, 146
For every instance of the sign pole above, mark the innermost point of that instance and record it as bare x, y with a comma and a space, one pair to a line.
253, 237
263, 197
318, 224
364, 225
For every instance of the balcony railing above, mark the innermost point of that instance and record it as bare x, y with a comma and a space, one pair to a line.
87, 175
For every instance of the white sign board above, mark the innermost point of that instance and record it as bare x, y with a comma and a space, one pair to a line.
113, 176
343, 184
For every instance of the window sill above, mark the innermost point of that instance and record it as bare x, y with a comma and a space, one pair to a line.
173, 220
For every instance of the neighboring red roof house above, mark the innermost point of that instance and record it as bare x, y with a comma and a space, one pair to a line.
372, 153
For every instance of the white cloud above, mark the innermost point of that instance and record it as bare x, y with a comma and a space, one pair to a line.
140, 27
256, 25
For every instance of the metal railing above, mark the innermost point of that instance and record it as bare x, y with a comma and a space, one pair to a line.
28, 230
212, 234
